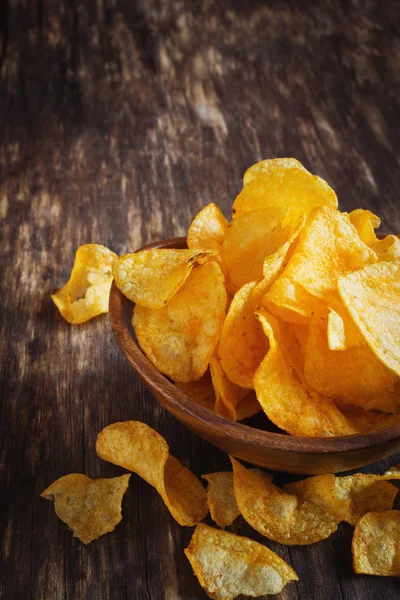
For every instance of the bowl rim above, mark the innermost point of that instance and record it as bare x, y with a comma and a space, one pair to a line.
233, 430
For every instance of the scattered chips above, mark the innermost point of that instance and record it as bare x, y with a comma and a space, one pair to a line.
372, 297
376, 544
136, 447
279, 516
242, 345
228, 565
180, 338
86, 293
151, 278
90, 507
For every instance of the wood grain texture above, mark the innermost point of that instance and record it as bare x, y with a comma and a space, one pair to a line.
118, 120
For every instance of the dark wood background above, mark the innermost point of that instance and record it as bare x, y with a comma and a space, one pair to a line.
119, 120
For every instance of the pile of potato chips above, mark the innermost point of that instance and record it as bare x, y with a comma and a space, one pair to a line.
293, 308
227, 564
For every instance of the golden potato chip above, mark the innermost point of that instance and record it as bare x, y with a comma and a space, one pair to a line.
328, 247
137, 447
354, 375
151, 278
365, 222
254, 237
341, 331
282, 393
221, 497
201, 391
180, 338
86, 293
208, 229
281, 517
363, 421
90, 507
232, 402
388, 248
288, 187
228, 565
351, 497
372, 297
288, 301
376, 544
264, 167
242, 345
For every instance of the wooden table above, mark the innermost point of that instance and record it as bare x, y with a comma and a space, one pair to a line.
119, 120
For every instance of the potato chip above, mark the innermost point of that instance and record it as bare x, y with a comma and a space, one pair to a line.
372, 297
265, 167
288, 301
282, 393
151, 278
376, 544
328, 247
228, 565
364, 421
86, 293
392, 473
232, 402
221, 497
180, 338
351, 497
201, 391
388, 248
242, 345
90, 507
365, 222
279, 516
354, 375
208, 229
341, 331
137, 447
288, 187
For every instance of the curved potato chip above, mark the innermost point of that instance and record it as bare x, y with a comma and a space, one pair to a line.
221, 497
354, 375
292, 188
281, 517
376, 544
201, 391
86, 293
90, 507
233, 402
242, 345
352, 496
180, 338
137, 447
372, 297
388, 248
280, 388
341, 331
151, 278
208, 229
363, 421
328, 247
288, 301
264, 167
228, 565
365, 222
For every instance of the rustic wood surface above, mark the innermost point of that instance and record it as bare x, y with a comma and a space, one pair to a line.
119, 120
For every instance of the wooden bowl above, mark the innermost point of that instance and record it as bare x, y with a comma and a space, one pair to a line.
276, 451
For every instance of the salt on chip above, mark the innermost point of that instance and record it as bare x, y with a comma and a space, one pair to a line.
208, 229
180, 338
90, 507
137, 447
221, 497
86, 293
354, 375
242, 345
264, 167
200, 391
365, 222
291, 188
233, 402
151, 278
376, 544
279, 516
228, 565
328, 247
372, 297
282, 393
